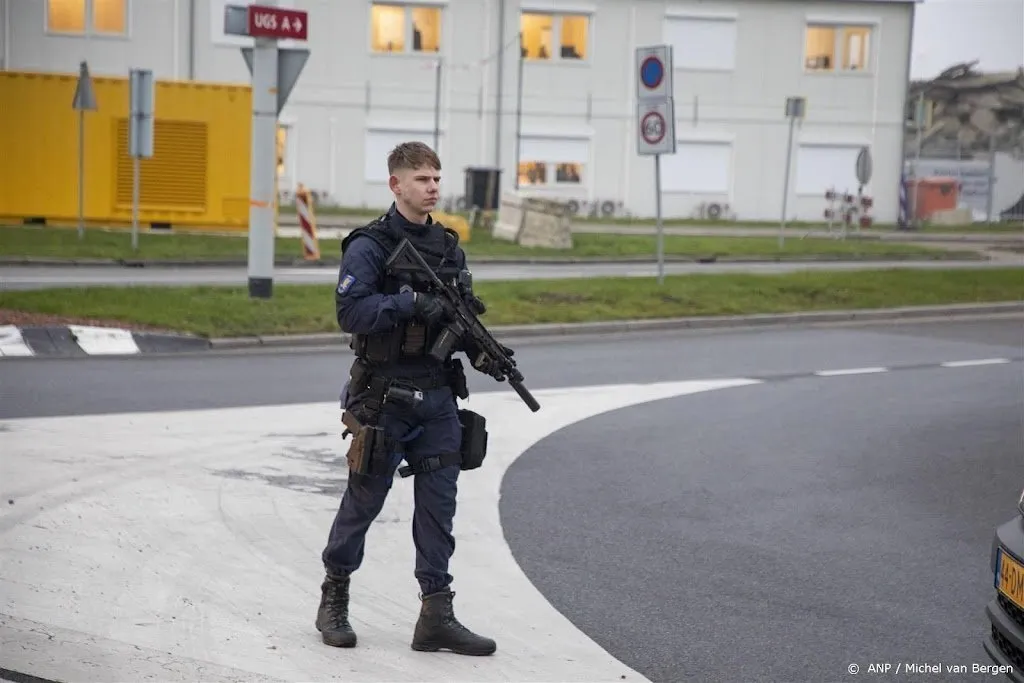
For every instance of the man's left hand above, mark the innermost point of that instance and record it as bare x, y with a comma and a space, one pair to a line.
489, 366
475, 303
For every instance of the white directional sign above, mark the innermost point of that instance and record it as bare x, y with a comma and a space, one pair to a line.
654, 72
290, 62
657, 129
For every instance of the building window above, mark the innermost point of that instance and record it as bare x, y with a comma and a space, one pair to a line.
552, 161
533, 173
702, 43
837, 48
822, 167
539, 32
97, 17
402, 28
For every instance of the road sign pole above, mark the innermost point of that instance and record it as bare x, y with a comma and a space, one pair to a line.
795, 107
140, 134
274, 73
656, 120
785, 183
657, 209
81, 174
135, 203
84, 100
261, 181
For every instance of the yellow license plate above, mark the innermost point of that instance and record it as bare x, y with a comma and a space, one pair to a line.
1011, 579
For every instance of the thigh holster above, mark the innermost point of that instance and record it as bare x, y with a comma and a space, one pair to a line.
371, 449
471, 452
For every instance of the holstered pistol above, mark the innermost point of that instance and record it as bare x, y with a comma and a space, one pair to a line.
360, 451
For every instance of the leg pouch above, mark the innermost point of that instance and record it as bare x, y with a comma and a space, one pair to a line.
474, 439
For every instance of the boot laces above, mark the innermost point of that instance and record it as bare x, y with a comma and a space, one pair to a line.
447, 613
336, 599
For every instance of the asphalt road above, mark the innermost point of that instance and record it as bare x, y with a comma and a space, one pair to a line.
214, 379
778, 531
34, 277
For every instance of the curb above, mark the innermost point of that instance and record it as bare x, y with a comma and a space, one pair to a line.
655, 324
71, 341
510, 260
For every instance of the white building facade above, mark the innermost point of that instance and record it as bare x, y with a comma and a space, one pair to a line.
448, 71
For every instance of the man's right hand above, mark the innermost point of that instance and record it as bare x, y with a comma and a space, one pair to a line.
427, 307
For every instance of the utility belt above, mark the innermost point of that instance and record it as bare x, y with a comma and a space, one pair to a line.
404, 384
373, 451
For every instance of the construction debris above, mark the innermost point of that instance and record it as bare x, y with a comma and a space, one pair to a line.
969, 111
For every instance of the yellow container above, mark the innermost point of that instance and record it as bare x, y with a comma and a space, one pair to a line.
198, 176
455, 222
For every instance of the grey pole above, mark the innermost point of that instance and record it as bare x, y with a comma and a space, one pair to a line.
437, 105
135, 203
785, 183
519, 110
657, 207
990, 200
262, 181
498, 94
81, 174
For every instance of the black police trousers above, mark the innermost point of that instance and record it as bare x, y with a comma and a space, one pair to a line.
428, 429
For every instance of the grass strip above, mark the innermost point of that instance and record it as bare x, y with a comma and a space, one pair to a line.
63, 243
358, 213
228, 311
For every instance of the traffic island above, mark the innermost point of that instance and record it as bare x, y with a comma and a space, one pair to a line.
536, 307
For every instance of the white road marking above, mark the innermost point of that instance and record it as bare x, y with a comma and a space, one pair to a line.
12, 343
974, 363
100, 341
850, 371
144, 534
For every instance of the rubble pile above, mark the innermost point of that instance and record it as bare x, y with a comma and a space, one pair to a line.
971, 110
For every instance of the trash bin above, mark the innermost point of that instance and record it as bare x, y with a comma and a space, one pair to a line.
483, 188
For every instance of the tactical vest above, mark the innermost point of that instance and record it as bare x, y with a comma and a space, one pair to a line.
408, 341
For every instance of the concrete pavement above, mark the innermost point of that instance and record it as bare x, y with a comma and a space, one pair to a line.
37, 277
197, 556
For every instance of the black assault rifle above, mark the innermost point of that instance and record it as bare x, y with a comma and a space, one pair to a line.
406, 260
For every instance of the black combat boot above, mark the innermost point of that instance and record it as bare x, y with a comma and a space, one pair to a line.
438, 629
332, 617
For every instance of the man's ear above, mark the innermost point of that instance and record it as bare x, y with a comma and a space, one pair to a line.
393, 184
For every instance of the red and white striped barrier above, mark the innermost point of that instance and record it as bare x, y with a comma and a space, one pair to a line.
307, 224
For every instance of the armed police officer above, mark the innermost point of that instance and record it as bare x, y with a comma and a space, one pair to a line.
400, 403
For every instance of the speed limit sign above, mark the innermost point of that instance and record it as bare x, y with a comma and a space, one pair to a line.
652, 128
656, 128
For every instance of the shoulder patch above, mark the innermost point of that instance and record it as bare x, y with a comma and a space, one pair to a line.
345, 283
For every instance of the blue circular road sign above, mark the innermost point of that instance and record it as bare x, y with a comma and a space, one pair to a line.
652, 71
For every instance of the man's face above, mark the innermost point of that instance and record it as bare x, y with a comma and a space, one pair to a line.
418, 189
